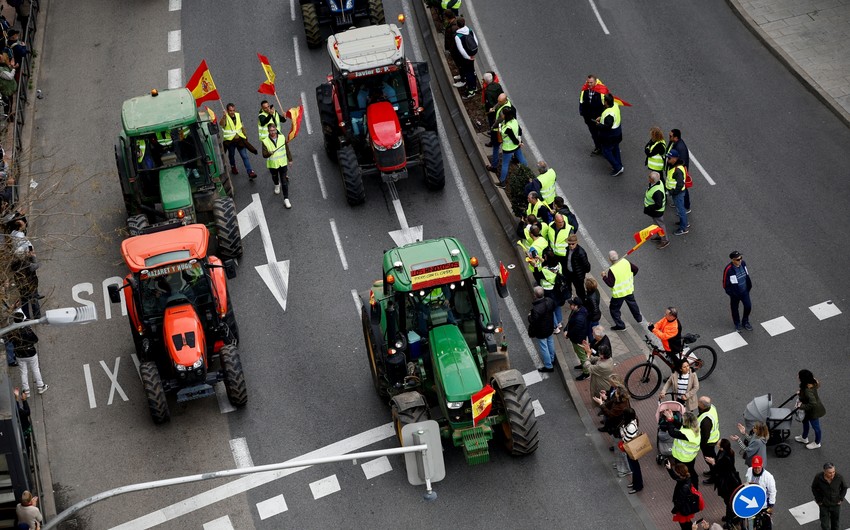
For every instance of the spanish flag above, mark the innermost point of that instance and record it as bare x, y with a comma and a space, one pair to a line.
201, 85
603, 89
295, 114
266, 88
482, 402
644, 235
267, 68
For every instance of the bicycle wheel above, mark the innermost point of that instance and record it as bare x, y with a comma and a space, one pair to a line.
643, 380
702, 360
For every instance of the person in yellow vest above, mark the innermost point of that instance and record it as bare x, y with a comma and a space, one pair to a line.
709, 432
558, 234
534, 252
538, 208
685, 443
610, 135
550, 270
620, 277
511, 144
546, 178
655, 149
654, 203
266, 116
276, 153
454, 5
233, 134
675, 184
502, 103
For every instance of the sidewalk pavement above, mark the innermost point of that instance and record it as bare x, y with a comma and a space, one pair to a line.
812, 38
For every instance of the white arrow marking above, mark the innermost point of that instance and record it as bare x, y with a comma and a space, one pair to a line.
407, 234
275, 273
751, 503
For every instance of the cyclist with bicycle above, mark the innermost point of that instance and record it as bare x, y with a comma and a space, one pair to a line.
669, 330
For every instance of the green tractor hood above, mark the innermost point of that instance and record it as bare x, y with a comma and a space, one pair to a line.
455, 364
174, 188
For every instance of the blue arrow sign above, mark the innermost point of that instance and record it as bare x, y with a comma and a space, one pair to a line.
749, 500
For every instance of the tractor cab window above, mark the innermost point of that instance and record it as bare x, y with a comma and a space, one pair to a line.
180, 146
363, 91
429, 308
172, 283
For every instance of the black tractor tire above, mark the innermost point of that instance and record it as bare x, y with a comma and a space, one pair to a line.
519, 431
136, 224
376, 12
373, 351
311, 25
154, 392
352, 176
406, 417
328, 118
428, 118
230, 320
432, 161
234, 377
227, 228
227, 183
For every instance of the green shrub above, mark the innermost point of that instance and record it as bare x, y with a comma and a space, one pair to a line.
517, 179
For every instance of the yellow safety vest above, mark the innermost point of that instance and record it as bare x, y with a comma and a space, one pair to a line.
500, 109
142, 145
264, 129
540, 244
533, 209
450, 4
547, 186
278, 151
711, 413
549, 275
558, 238
624, 280
670, 182
508, 145
647, 200
613, 111
229, 130
163, 138
686, 450
656, 162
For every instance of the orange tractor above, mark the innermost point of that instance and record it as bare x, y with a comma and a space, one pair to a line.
181, 317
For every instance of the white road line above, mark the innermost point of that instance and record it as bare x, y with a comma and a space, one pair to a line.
731, 341
357, 303
376, 467
777, 326
339, 246
399, 213
221, 396
319, 176
538, 408
306, 113
175, 78
825, 310
241, 485
113, 381
241, 453
598, 17
174, 41
701, 169
297, 55
137, 364
292, 9
175, 5
532, 377
222, 523
324, 487
89, 386
271, 507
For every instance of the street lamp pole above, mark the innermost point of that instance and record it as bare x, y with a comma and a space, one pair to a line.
57, 317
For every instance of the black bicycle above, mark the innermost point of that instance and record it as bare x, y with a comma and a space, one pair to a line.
643, 380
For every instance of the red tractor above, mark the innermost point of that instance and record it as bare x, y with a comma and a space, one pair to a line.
377, 111
181, 317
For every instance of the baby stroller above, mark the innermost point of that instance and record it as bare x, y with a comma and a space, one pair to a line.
777, 419
664, 441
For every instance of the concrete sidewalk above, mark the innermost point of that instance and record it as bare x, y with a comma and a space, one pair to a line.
812, 38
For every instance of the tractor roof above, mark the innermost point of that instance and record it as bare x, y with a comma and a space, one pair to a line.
428, 263
169, 246
148, 114
359, 49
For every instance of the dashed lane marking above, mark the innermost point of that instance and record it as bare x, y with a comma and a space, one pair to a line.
825, 310
306, 113
292, 9
174, 39
175, 5
731, 341
241, 453
376, 467
89, 386
175, 78
357, 301
777, 326
297, 56
319, 176
271, 507
599, 17
338, 242
221, 396
538, 408
324, 487
222, 523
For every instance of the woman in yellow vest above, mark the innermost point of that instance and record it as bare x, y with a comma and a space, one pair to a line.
276, 153
511, 144
655, 149
685, 443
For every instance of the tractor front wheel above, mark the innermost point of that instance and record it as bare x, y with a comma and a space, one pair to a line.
136, 224
406, 417
311, 25
352, 176
519, 429
230, 321
154, 392
432, 161
227, 228
376, 12
234, 377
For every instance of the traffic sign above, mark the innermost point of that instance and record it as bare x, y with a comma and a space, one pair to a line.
748, 500
420, 469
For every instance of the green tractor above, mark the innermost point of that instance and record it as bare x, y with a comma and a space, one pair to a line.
171, 165
431, 326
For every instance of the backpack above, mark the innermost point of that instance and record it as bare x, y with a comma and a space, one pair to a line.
470, 45
695, 502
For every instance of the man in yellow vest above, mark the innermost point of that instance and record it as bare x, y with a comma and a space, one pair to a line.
266, 116
709, 429
547, 179
654, 203
502, 103
538, 208
233, 134
511, 144
610, 135
620, 277
675, 184
534, 251
276, 151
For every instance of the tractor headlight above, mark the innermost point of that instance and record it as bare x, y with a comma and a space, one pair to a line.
454, 405
399, 344
197, 364
349, 4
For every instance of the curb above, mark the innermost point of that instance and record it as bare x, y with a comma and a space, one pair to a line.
790, 63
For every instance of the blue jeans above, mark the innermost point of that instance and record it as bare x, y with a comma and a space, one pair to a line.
815, 423
734, 300
679, 201
506, 161
547, 350
243, 152
611, 152
10, 352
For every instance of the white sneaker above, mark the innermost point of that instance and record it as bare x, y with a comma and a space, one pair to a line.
457, 78
459, 84
801, 439
812, 445
277, 189
287, 203
42, 389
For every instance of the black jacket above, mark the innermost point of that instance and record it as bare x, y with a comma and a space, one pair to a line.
656, 209
726, 478
579, 262
577, 326
590, 107
826, 493
591, 302
23, 340
681, 494
541, 318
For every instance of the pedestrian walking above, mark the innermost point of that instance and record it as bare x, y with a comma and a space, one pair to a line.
809, 402
233, 134
724, 476
511, 143
576, 267
502, 103
620, 277
655, 149
629, 430
610, 135
590, 107
24, 339
276, 151
27, 511
541, 326
757, 474
577, 332
829, 489
546, 177
754, 443
592, 304
467, 47
682, 385
709, 432
669, 330
613, 404
268, 116
676, 142
683, 512
675, 184
654, 203
737, 284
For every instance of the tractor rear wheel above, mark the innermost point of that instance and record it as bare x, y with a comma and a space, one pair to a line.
371, 348
227, 228
311, 25
136, 224
432, 161
376, 12
426, 98
352, 176
227, 184
520, 427
154, 392
234, 377
406, 417
328, 119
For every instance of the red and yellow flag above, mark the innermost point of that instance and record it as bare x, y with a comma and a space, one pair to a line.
266, 88
603, 89
201, 85
644, 235
482, 402
295, 114
503, 273
211, 114
267, 68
